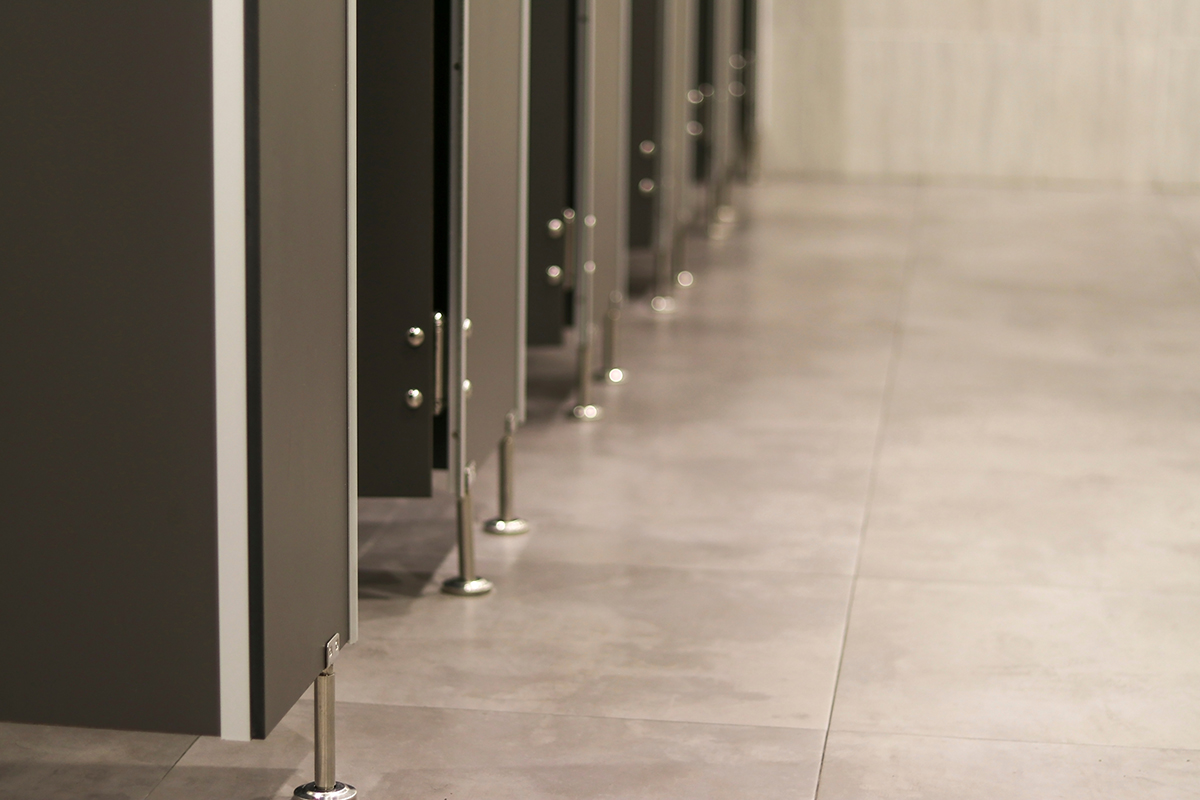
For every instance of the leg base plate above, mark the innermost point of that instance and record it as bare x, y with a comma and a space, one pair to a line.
340, 791
506, 527
462, 587
588, 413
663, 304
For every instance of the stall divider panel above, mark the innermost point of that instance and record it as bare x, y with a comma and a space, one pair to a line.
107, 407
299, 270
612, 172
493, 219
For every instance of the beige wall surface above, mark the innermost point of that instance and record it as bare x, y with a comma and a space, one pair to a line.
1044, 90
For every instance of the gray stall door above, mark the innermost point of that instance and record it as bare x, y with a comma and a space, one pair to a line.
402, 192
644, 143
551, 163
175, 410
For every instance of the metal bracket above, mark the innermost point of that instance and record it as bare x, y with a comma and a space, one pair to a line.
333, 649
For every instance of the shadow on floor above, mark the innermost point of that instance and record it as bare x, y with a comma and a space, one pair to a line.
80, 781
223, 783
401, 544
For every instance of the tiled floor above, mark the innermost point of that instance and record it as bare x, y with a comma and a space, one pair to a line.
904, 502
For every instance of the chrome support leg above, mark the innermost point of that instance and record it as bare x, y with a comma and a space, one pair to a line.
507, 523
664, 280
325, 787
585, 410
468, 583
612, 333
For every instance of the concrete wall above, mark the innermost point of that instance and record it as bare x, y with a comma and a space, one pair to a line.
1048, 90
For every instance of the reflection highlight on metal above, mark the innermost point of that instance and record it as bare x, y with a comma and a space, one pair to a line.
612, 323
587, 413
663, 304
507, 523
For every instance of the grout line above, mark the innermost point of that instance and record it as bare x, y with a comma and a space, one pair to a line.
1138, 591
884, 406
1000, 740
607, 717
171, 768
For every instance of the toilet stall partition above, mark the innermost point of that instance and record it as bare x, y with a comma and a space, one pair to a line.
745, 66
179, 538
586, 58
680, 128
442, 242
644, 141
725, 67
495, 219
612, 22
551, 151
403, 239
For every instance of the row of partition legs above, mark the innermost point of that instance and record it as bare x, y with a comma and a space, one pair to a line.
507, 522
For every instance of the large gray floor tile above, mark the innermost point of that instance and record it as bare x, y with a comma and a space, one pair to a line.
395, 753
888, 767
1022, 663
47, 763
1016, 527
705, 497
1184, 211
954, 411
1128, 325
717, 646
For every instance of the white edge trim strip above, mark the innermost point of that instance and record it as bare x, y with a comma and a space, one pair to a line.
229, 285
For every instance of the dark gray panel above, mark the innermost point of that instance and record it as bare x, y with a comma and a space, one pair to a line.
493, 258
302, 266
747, 105
704, 76
551, 158
645, 77
106, 405
397, 244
